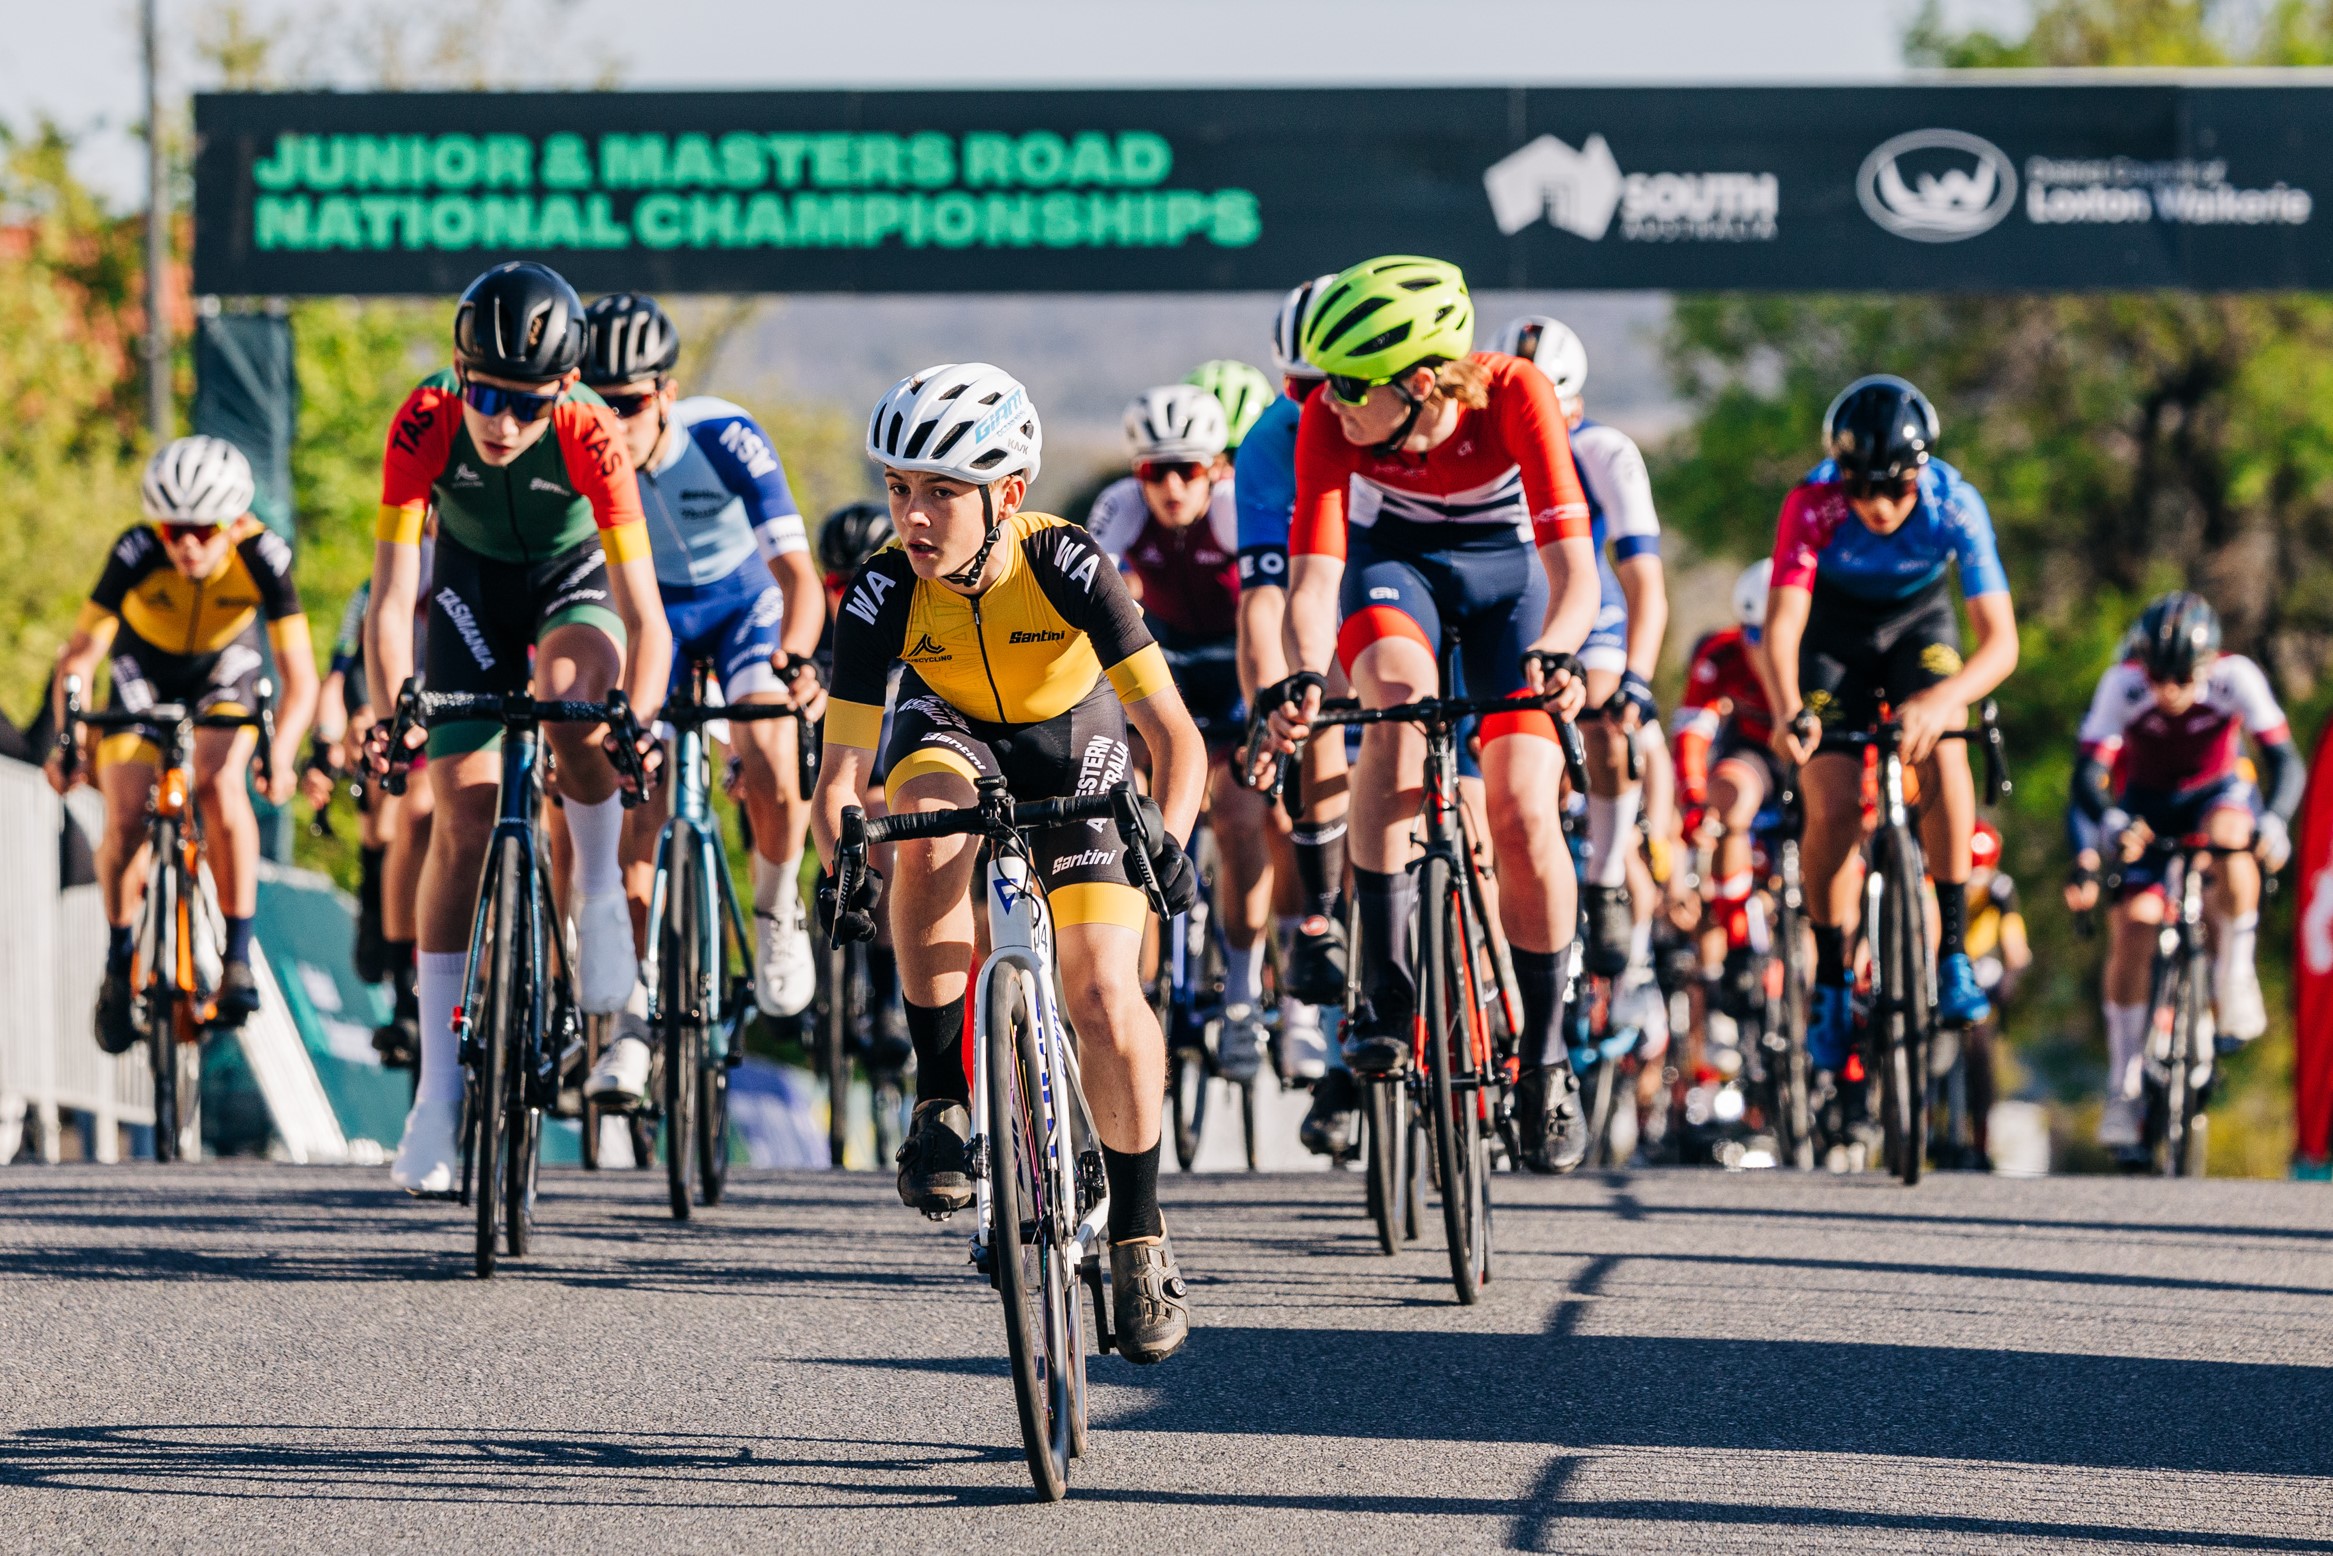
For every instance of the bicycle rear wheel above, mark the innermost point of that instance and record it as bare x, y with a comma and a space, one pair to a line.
1905, 1013
1031, 1273
677, 1035
1450, 1060
497, 1046
1187, 1097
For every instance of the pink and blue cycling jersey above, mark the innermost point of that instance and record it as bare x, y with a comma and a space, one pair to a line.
1820, 539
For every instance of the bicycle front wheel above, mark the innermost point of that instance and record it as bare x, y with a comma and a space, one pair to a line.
1025, 1255
1187, 1098
834, 1050
713, 1130
1450, 1060
1905, 1012
1796, 1121
1388, 1131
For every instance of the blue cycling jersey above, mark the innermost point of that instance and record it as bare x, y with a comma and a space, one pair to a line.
1819, 536
718, 497
1619, 492
1264, 482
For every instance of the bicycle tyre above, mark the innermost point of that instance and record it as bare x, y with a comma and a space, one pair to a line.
834, 1056
1453, 1121
588, 1113
161, 996
493, 1051
1903, 951
1250, 1126
712, 1132
1020, 1237
1387, 1129
1797, 1115
2174, 1101
1188, 1098
523, 1084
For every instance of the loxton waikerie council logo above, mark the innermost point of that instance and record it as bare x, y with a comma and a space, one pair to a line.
1937, 186
1583, 191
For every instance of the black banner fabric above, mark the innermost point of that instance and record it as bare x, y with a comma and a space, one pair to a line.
2055, 185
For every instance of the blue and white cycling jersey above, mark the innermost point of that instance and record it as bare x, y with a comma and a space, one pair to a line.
718, 499
1819, 535
1264, 481
1620, 511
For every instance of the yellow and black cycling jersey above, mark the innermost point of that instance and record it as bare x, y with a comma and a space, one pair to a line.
194, 616
1028, 649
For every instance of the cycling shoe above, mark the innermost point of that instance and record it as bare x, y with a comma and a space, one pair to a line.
1316, 963
935, 1173
1553, 1122
1960, 999
1830, 1027
238, 996
117, 1006
1333, 1123
1372, 1050
1149, 1303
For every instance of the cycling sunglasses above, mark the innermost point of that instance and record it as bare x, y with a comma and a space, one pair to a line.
493, 400
627, 406
1865, 486
205, 533
1152, 471
1351, 390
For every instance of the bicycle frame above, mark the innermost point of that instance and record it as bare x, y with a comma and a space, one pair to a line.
519, 800
692, 825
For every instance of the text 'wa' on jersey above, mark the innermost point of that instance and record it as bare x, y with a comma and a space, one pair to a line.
191, 616
1188, 577
1266, 471
1507, 467
1618, 489
1029, 647
2151, 749
1820, 538
719, 497
575, 478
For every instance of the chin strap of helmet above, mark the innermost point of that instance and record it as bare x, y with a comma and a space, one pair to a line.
1409, 423
969, 574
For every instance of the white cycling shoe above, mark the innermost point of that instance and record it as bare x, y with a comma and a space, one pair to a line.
431, 1150
620, 1079
1239, 1050
1304, 1045
2118, 1123
2243, 1014
785, 972
607, 963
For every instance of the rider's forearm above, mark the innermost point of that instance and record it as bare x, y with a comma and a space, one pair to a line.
1263, 656
1178, 758
1645, 586
388, 629
295, 710
805, 597
1310, 632
1573, 593
1995, 656
79, 661
841, 775
1786, 613
648, 639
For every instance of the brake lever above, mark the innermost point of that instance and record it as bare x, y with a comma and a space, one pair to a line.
1575, 752
266, 763
400, 756
1135, 833
69, 728
626, 756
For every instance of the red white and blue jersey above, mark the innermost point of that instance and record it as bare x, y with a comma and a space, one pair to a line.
1819, 536
2170, 753
1188, 579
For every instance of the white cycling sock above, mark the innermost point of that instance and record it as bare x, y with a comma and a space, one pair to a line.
772, 882
2239, 939
1243, 974
439, 976
1609, 820
598, 832
2126, 1031
1640, 944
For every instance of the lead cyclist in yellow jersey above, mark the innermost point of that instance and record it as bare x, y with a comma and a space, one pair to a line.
1024, 657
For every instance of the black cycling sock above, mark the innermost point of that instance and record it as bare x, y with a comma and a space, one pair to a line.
404, 982
1133, 1179
882, 975
1386, 905
121, 945
1830, 956
368, 879
938, 1035
238, 947
1539, 978
1320, 865
1951, 919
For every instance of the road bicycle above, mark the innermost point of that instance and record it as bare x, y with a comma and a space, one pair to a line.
1188, 996
518, 1014
1041, 1201
2177, 1075
1468, 1011
1902, 1010
1767, 983
700, 1001
179, 932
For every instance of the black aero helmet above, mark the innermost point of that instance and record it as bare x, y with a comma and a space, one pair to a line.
2176, 634
1880, 428
630, 338
520, 321
853, 533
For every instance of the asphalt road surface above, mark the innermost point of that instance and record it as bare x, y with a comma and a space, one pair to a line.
259, 1358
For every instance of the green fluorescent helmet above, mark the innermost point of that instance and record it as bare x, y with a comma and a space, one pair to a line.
1243, 391
1384, 316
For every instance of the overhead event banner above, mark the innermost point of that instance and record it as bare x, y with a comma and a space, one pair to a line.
1982, 187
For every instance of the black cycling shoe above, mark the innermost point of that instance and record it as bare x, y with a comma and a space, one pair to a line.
396, 1043
1332, 1126
934, 1175
1149, 1304
1553, 1123
117, 1011
1611, 925
238, 997
1316, 963
371, 954
1370, 1049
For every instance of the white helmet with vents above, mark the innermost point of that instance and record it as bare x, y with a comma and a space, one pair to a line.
1550, 345
198, 480
1288, 330
1750, 593
1176, 421
963, 419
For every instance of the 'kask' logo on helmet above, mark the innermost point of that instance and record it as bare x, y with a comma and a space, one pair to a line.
1937, 186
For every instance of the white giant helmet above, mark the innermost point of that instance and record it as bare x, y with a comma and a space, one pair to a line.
1750, 593
1288, 330
1551, 346
1176, 421
198, 480
963, 419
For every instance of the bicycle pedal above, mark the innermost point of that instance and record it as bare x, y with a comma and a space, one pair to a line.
938, 1215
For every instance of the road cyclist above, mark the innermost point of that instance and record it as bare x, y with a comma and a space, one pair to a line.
1437, 508
1860, 623
1025, 660
177, 617
1242, 390
739, 586
2158, 771
542, 579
